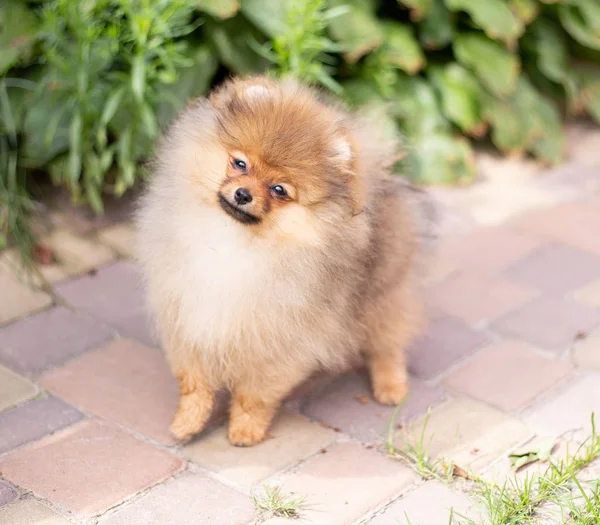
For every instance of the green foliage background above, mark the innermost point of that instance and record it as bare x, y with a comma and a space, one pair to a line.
86, 86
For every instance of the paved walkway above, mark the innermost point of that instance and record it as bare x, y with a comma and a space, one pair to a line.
512, 355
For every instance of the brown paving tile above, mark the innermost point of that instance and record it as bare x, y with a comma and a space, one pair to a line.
589, 295
115, 296
48, 339
124, 382
76, 468
8, 493
200, 500
347, 482
548, 323
294, 439
14, 389
508, 375
475, 298
571, 408
445, 342
576, 224
120, 237
30, 512
586, 352
74, 255
34, 420
467, 432
430, 504
488, 250
23, 298
342, 405
555, 268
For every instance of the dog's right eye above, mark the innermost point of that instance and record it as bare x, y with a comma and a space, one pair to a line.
239, 164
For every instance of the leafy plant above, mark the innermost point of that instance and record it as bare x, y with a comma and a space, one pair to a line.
108, 75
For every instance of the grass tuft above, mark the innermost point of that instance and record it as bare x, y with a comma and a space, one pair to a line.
279, 503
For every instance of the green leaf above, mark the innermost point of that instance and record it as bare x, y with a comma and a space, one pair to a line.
526, 121
357, 30
514, 127
495, 66
358, 91
269, 16
75, 142
418, 108
581, 19
138, 76
401, 48
218, 8
460, 94
36, 151
18, 32
111, 106
526, 10
441, 158
547, 43
437, 29
230, 39
531, 454
494, 17
549, 146
419, 9
192, 81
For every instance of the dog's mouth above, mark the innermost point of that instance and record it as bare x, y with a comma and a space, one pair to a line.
237, 213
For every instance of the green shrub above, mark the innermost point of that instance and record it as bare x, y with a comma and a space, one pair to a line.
87, 86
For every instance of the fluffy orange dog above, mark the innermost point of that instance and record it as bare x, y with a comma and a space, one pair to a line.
275, 243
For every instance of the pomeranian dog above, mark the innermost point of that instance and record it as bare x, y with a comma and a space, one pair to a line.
274, 242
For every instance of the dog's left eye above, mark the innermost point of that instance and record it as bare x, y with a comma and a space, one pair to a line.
279, 191
239, 164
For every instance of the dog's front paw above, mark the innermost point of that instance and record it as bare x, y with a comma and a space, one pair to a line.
391, 393
246, 430
190, 418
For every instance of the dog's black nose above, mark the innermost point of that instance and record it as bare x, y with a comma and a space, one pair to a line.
242, 196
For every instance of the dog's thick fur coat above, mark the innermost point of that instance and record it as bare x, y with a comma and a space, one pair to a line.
314, 270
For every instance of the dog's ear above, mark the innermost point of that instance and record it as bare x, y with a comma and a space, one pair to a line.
342, 151
249, 89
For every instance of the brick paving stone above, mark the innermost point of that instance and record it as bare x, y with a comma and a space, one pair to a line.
555, 268
8, 493
347, 404
48, 339
583, 142
474, 298
114, 295
589, 295
77, 467
437, 270
508, 375
30, 512
76, 255
199, 501
569, 409
548, 322
34, 420
23, 298
470, 433
14, 389
576, 224
294, 439
124, 382
346, 483
430, 504
120, 237
489, 250
446, 341
586, 353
